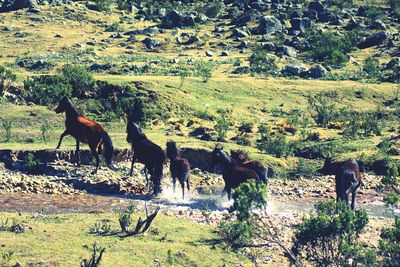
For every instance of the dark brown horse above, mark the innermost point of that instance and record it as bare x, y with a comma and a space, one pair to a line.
147, 153
348, 179
233, 174
85, 131
241, 157
179, 167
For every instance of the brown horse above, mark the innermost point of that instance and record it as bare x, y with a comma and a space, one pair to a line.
233, 173
148, 153
85, 131
241, 157
348, 179
179, 167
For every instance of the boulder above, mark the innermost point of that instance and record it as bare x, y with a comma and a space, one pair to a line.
176, 19
318, 71
317, 6
295, 71
151, 43
301, 24
375, 39
11, 5
269, 25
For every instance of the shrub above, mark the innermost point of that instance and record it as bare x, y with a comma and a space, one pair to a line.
128, 5
277, 146
183, 74
247, 197
45, 128
365, 124
101, 228
214, 9
170, 257
341, 4
371, 67
328, 236
104, 5
329, 49
262, 62
390, 245
222, 124
31, 164
304, 169
125, 218
7, 126
96, 256
204, 70
81, 80
323, 105
47, 90
6, 78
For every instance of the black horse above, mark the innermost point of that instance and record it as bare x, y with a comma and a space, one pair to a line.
348, 179
148, 153
241, 157
179, 167
233, 173
85, 131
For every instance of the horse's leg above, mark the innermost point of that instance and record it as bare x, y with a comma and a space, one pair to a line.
133, 162
183, 190
353, 196
78, 157
96, 156
65, 133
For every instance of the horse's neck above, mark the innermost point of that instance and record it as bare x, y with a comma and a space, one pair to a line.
71, 112
226, 162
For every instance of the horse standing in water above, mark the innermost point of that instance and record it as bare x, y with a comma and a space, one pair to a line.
241, 157
233, 173
179, 167
85, 131
348, 179
148, 153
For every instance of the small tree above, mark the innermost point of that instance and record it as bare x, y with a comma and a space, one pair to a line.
7, 77
45, 128
371, 67
81, 81
222, 125
183, 74
328, 236
205, 70
7, 126
262, 62
323, 105
95, 259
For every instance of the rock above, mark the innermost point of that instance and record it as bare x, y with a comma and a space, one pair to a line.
241, 32
98, 67
187, 39
375, 39
316, 6
269, 25
151, 43
209, 53
288, 51
176, 19
296, 71
224, 53
318, 71
378, 25
11, 5
301, 24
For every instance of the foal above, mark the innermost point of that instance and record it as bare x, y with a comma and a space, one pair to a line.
348, 179
233, 173
241, 157
179, 167
85, 131
148, 153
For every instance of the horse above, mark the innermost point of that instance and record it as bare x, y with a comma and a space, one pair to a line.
85, 131
348, 179
179, 167
241, 157
147, 153
233, 173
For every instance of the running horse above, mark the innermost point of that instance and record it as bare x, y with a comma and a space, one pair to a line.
148, 153
85, 131
179, 167
241, 157
233, 173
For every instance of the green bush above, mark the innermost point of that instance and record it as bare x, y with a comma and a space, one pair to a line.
371, 68
128, 4
329, 236
304, 169
222, 124
125, 218
329, 49
323, 105
104, 5
47, 90
81, 81
262, 62
204, 70
365, 124
7, 126
31, 164
277, 146
6, 78
390, 245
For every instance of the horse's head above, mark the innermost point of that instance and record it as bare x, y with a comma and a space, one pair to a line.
64, 104
172, 150
133, 131
218, 155
239, 155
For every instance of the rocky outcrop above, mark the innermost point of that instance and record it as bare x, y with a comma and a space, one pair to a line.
11, 5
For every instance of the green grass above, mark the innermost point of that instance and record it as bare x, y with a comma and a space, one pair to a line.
59, 240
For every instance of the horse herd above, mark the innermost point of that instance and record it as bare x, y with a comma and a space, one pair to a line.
237, 168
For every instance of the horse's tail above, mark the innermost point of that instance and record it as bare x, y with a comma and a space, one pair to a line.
108, 149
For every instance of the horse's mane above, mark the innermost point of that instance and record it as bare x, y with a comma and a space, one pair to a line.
71, 107
133, 129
